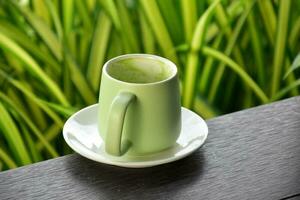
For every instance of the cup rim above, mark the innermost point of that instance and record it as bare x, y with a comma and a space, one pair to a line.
151, 56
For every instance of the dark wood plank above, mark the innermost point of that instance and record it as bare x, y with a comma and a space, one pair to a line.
251, 154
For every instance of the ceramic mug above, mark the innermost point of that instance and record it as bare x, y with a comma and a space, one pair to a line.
139, 105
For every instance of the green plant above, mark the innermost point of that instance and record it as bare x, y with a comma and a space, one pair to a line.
231, 54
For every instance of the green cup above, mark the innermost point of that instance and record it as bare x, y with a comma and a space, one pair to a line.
139, 105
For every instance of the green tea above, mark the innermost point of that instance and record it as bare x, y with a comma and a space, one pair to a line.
139, 70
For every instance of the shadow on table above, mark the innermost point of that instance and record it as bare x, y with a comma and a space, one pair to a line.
116, 182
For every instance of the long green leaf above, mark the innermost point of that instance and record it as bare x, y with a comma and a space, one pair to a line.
83, 11
231, 47
230, 91
270, 22
27, 43
67, 85
98, 50
234, 10
55, 17
40, 9
269, 18
280, 44
30, 124
169, 11
257, 49
64, 111
32, 67
43, 30
12, 61
294, 35
114, 49
147, 35
128, 30
68, 12
36, 113
189, 15
193, 59
208, 68
239, 70
17, 98
68, 7
295, 65
50, 134
284, 91
13, 137
159, 28
290, 79
33, 97
80, 82
110, 8
35, 154
7, 159
84, 50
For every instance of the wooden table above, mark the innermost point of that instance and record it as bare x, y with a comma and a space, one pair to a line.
251, 154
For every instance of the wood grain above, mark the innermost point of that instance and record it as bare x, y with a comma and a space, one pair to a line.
251, 154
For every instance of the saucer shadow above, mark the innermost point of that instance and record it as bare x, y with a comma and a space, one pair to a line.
110, 182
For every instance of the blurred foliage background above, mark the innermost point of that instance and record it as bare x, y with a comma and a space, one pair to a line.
231, 55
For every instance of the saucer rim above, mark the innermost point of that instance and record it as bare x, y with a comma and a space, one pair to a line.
132, 164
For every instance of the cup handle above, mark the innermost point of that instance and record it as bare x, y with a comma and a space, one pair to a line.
116, 121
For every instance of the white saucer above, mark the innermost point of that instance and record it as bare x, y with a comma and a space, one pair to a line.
81, 134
